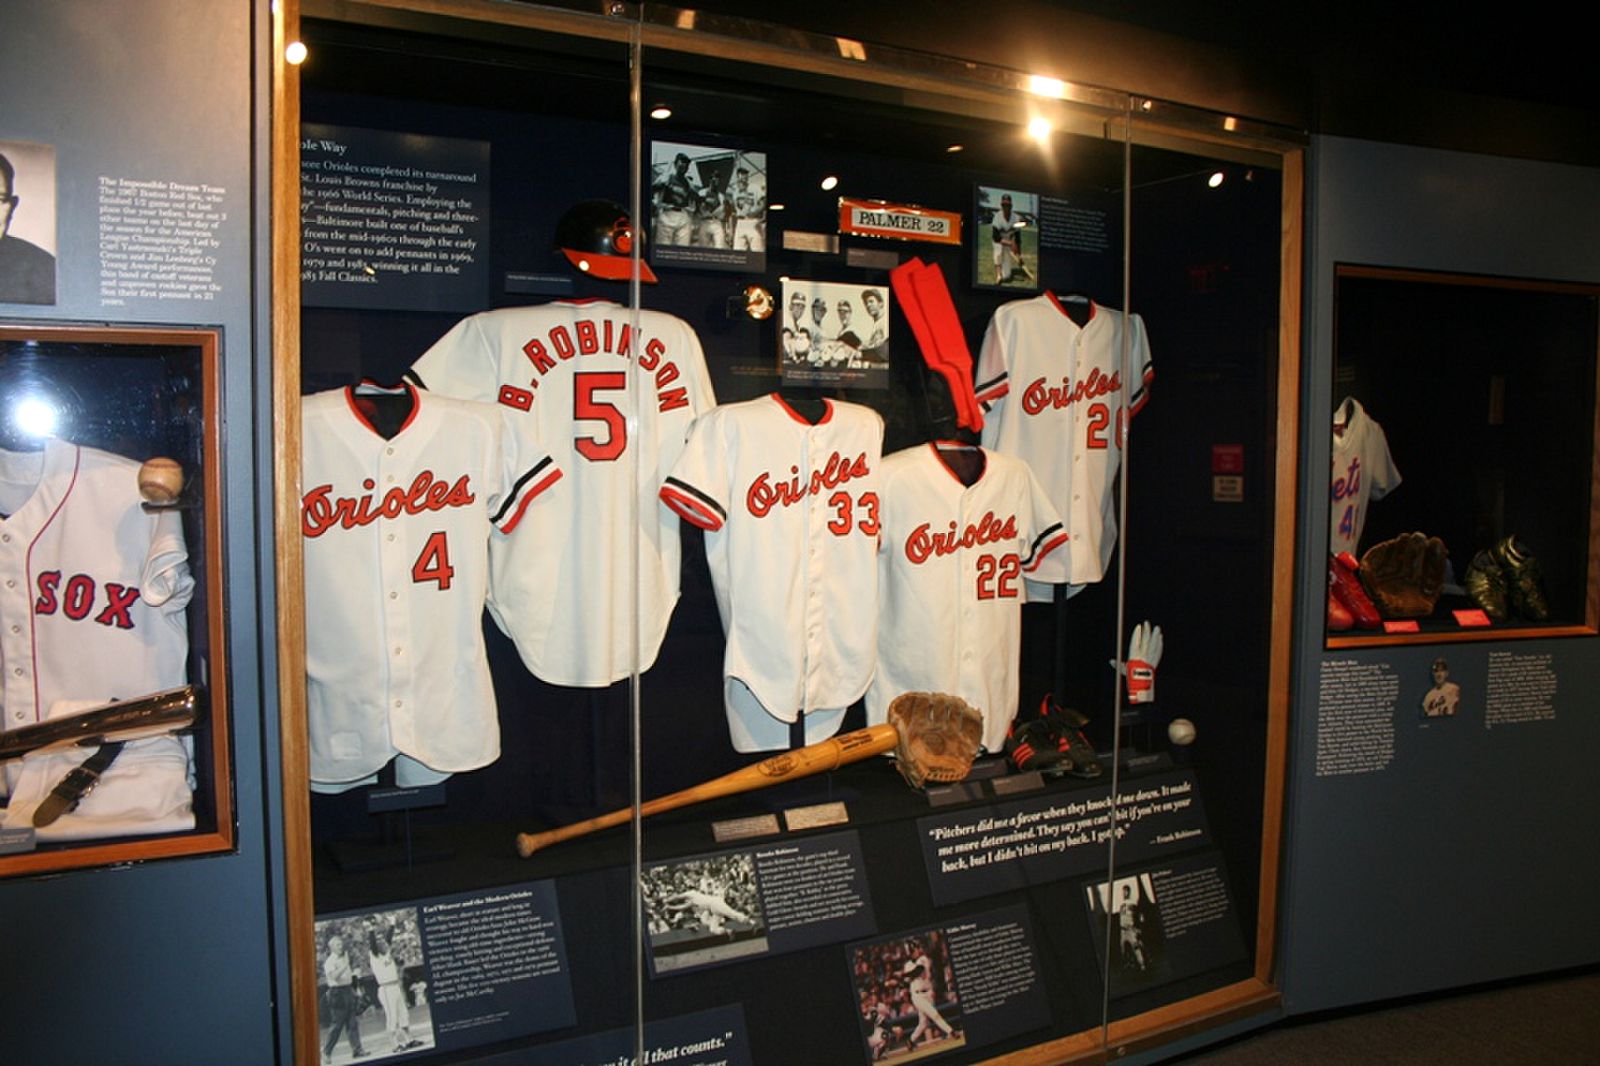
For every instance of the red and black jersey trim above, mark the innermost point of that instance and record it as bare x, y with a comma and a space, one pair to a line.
1044, 544
989, 391
535, 480
693, 505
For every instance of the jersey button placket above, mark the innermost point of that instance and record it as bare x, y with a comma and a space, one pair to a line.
14, 646
811, 577
394, 565
968, 609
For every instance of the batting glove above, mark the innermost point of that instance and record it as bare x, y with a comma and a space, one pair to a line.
1144, 653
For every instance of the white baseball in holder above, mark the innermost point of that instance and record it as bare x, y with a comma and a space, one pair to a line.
1181, 732
160, 479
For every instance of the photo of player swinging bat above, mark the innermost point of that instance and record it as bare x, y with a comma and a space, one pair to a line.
816, 758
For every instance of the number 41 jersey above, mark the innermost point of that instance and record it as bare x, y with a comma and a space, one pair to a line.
561, 589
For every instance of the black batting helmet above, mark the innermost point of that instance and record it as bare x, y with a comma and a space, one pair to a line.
597, 237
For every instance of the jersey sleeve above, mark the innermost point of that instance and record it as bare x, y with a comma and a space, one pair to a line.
1049, 555
1382, 475
993, 375
526, 470
697, 486
462, 364
1139, 356
166, 581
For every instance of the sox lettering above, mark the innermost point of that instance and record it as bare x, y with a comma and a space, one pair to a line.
79, 598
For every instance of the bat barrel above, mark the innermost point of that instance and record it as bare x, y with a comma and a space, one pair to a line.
814, 759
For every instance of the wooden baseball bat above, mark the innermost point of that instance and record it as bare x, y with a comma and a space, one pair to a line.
816, 758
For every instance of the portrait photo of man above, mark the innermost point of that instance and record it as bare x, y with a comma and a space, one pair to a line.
27, 224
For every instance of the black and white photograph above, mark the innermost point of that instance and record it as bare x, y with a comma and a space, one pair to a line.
834, 333
708, 206
1005, 245
1136, 941
372, 987
1443, 700
27, 223
703, 911
906, 998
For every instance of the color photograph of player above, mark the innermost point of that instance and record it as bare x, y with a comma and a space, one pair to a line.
703, 911
834, 333
370, 980
708, 206
906, 998
1006, 246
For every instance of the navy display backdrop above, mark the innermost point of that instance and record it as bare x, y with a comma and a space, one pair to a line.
167, 961
1470, 855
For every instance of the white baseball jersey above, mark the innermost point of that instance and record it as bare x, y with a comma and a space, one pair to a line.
562, 590
397, 537
1363, 470
1056, 399
92, 589
950, 579
791, 513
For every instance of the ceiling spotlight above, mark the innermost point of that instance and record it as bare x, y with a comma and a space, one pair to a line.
1039, 129
774, 207
955, 148
830, 183
1215, 180
661, 112
1054, 88
35, 417
294, 53
1230, 124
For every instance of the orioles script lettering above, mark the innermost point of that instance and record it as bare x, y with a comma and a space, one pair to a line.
923, 543
765, 493
320, 510
1038, 396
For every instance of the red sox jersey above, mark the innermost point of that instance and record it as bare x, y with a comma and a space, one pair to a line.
396, 572
562, 590
92, 589
950, 580
791, 514
1363, 470
1055, 398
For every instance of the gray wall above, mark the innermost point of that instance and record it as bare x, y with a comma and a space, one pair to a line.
166, 962
1472, 855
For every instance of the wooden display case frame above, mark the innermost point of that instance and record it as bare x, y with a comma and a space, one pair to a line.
215, 777
926, 81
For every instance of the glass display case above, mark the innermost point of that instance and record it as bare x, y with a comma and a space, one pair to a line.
1464, 468
115, 736
783, 378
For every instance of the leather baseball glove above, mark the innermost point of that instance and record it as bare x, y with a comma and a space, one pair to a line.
939, 736
1404, 575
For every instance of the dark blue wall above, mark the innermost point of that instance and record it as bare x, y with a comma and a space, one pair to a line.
171, 961
1471, 856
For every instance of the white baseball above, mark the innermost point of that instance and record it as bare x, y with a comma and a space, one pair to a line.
1181, 731
160, 479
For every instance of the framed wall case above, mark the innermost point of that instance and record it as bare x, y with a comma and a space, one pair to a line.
116, 683
1464, 471
1043, 909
